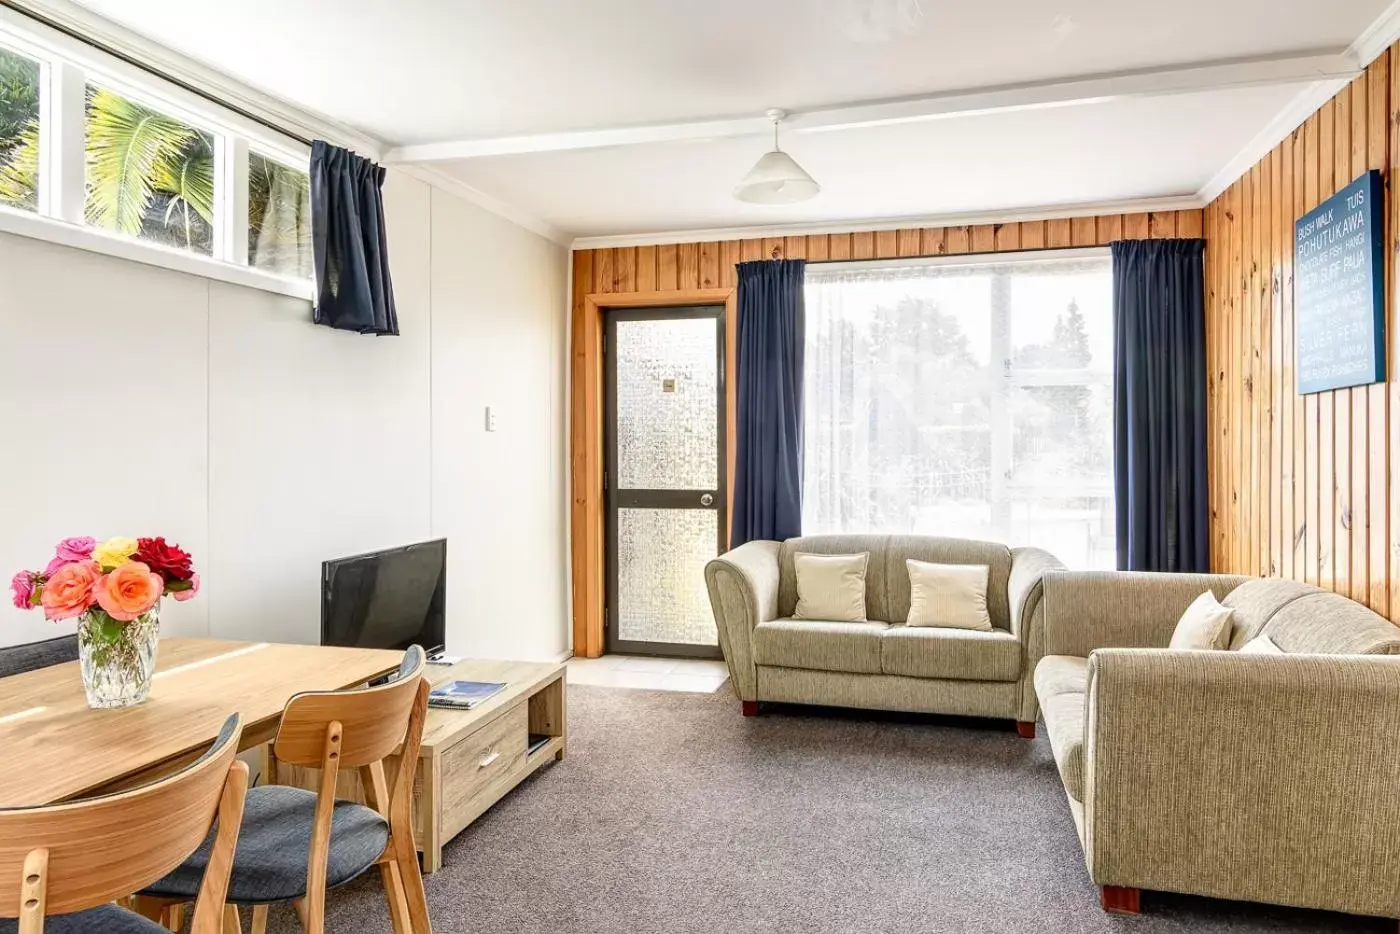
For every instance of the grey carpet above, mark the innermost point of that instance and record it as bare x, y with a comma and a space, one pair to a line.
673, 813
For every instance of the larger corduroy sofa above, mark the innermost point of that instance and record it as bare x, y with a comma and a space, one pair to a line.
881, 663
1260, 777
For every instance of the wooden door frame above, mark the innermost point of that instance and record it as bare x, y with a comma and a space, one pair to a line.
586, 455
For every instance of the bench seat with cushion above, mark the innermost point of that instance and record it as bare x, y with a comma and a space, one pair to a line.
1259, 777
880, 663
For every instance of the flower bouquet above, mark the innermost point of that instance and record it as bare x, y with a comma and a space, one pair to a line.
114, 589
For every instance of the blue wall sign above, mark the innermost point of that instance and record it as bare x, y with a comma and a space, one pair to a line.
1339, 289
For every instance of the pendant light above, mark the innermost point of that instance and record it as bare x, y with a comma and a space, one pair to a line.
776, 178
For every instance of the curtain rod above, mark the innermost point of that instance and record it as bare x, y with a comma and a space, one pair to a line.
118, 54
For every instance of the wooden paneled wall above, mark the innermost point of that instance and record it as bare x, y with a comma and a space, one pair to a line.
1301, 485
703, 273
682, 266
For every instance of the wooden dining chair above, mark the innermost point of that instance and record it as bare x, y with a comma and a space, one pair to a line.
295, 844
62, 865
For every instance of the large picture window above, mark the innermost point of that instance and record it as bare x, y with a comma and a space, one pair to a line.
967, 398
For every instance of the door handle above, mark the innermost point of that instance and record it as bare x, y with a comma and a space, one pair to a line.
707, 499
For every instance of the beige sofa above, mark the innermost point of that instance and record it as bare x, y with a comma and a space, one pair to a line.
880, 664
1268, 778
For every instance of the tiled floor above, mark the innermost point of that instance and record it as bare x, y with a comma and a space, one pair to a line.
649, 674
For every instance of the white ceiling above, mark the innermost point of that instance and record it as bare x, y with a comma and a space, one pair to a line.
434, 71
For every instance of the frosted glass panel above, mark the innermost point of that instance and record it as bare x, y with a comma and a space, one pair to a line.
661, 556
667, 401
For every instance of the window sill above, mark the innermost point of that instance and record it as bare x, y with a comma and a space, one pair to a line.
38, 227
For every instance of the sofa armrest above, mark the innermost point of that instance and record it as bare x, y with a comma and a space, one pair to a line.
1026, 587
743, 586
1260, 778
1087, 610
1026, 592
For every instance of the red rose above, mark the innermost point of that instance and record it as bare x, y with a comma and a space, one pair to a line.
171, 562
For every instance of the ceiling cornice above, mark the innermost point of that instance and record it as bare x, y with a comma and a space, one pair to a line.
1051, 212
1378, 37
470, 193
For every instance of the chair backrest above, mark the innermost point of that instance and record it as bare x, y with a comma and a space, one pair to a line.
61, 858
17, 659
372, 720
887, 591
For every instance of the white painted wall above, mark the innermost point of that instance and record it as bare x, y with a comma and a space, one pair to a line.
136, 400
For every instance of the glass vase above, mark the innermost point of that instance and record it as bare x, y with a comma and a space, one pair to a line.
117, 658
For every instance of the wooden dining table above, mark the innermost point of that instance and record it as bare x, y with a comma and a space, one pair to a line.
55, 747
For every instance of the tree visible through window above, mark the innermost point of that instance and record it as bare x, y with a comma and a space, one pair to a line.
279, 218
149, 175
968, 400
19, 131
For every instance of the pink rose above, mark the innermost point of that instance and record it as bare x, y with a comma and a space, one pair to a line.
70, 550
69, 592
127, 591
22, 586
189, 592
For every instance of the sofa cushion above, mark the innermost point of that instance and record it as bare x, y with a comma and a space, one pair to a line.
1061, 674
831, 587
825, 646
1205, 625
900, 548
958, 654
1330, 624
1256, 601
953, 596
1064, 721
876, 601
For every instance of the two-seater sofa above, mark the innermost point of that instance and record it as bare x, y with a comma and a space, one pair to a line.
1268, 778
880, 664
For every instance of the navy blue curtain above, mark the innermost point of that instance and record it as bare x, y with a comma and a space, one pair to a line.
1159, 405
353, 289
772, 337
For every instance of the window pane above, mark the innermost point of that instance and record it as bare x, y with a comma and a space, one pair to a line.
279, 218
971, 401
19, 131
148, 175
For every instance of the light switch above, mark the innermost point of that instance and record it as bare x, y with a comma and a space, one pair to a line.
490, 419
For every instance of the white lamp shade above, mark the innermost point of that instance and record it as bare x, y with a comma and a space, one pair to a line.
776, 179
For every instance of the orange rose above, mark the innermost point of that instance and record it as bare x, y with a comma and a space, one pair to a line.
69, 592
128, 590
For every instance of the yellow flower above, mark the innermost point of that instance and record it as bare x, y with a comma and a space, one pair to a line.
114, 552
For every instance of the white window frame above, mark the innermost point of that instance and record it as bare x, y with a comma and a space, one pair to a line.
67, 66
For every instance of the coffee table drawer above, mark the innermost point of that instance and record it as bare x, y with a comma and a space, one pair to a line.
480, 764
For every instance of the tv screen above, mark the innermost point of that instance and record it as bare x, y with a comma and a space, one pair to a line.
386, 600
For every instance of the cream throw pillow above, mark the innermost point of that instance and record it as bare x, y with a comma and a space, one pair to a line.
831, 587
952, 596
1204, 625
1260, 645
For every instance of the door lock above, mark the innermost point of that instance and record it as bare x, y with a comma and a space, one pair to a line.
707, 499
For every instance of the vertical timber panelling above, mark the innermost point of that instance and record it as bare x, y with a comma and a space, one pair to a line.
679, 267
1301, 485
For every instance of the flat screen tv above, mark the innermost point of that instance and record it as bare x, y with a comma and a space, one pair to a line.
386, 599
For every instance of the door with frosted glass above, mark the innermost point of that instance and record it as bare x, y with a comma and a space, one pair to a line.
665, 462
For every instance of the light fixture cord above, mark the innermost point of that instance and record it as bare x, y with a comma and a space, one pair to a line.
776, 121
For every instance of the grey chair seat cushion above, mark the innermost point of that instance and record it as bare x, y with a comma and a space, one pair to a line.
815, 644
956, 654
274, 844
105, 919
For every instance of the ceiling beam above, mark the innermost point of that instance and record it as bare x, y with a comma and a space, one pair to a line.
1065, 92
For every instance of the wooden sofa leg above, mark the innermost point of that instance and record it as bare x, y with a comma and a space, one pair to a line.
750, 708
1026, 728
1121, 901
